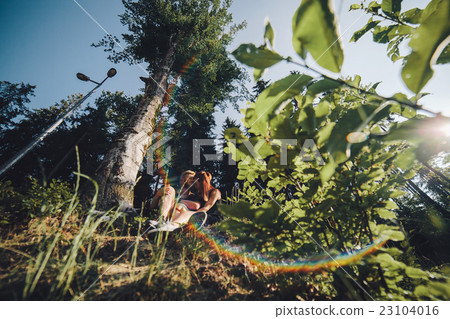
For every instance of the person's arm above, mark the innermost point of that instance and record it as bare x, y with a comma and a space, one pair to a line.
155, 200
214, 196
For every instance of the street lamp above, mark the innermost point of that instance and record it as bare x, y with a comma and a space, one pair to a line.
111, 72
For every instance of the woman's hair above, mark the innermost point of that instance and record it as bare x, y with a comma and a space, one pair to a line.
185, 173
203, 184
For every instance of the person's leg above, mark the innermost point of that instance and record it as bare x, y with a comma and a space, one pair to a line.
191, 205
167, 202
183, 216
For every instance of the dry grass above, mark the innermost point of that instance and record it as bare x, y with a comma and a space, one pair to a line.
177, 266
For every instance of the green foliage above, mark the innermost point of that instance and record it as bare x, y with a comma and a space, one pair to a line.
267, 105
13, 98
428, 30
292, 206
155, 26
93, 129
42, 200
10, 203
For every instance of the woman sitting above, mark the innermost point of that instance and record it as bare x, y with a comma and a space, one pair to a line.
207, 196
165, 198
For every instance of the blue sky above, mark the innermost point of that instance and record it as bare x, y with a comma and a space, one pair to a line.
47, 42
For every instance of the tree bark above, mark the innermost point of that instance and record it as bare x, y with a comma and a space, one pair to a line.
117, 173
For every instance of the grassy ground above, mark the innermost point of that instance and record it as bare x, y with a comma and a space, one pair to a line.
73, 256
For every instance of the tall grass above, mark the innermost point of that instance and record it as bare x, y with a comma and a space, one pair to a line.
69, 265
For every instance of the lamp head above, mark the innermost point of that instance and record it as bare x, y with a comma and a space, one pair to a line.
111, 72
82, 77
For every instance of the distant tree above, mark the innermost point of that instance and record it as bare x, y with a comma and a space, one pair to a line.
424, 214
165, 34
228, 170
257, 89
13, 98
93, 129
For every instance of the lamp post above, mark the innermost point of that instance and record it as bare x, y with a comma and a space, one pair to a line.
112, 72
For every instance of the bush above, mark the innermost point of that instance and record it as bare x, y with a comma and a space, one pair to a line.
10, 203
43, 200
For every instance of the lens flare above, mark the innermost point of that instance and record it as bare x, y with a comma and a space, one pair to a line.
356, 137
307, 265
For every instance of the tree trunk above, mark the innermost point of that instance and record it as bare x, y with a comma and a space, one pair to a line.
117, 173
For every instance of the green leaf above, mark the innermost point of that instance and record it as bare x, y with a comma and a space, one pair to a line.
412, 272
270, 101
405, 159
384, 34
390, 205
259, 58
396, 235
369, 26
322, 109
324, 133
434, 289
434, 29
307, 119
385, 213
410, 174
323, 86
273, 182
354, 7
282, 126
297, 213
386, 261
412, 16
234, 133
314, 29
269, 34
374, 6
327, 171
444, 57
391, 7
258, 73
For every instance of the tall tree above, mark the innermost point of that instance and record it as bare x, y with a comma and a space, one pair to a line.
165, 34
212, 82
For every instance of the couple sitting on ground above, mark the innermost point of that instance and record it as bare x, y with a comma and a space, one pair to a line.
197, 200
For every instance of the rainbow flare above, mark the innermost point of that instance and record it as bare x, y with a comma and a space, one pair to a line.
307, 265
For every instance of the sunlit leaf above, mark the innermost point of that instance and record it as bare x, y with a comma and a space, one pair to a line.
445, 56
314, 29
434, 29
323, 86
269, 34
412, 16
259, 58
391, 7
270, 100
369, 26
258, 73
